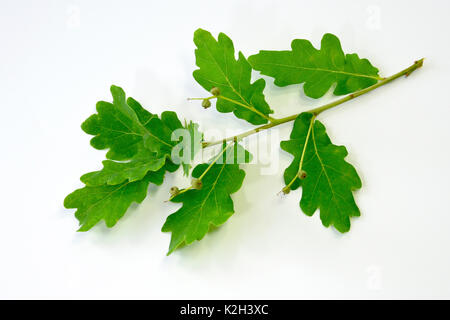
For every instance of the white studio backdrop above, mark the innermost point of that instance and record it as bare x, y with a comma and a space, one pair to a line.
58, 58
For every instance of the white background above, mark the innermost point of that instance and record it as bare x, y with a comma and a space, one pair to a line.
58, 58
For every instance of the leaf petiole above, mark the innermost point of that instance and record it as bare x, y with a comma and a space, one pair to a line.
207, 98
247, 107
288, 186
238, 103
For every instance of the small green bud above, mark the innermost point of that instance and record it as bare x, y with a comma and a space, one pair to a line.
196, 183
215, 91
302, 174
206, 103
174, 191
286, 190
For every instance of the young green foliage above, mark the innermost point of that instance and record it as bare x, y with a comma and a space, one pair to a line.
219, 69
328, 181
210, 206
318, 69
109, 202
141, 141
116, 127
143, 146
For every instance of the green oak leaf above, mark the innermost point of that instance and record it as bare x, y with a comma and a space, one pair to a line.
115, 172
125, 128
109, 202
208, 207
318, 69
139, 145
219, 68
115, 126
329, 180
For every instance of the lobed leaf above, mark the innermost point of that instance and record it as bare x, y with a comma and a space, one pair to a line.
329, 180
109, 202
115, 126
317, 69
126, 128
219, 68
210, 206
139, 145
